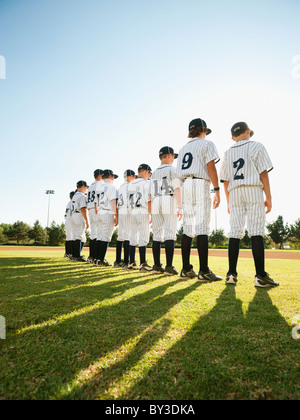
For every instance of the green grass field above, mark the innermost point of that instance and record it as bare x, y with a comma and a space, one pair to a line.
79, 332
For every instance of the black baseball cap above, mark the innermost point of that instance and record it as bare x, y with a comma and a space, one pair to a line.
107, 172
129, 172
98, 172
199, 123
145, 167
240, 128
82, 184
167, 150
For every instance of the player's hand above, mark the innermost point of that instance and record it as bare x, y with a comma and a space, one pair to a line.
87, 225
228, 210
216, 200
150, 220
268, 205
179, 214
116, 220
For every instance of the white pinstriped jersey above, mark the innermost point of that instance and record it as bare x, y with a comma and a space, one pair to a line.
164, 181
139, 196
91, 194
193, 159
68, 213
123, 202
243, 163
78, 202
105, 193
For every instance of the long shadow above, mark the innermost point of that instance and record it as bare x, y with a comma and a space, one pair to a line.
229, 355
42, 360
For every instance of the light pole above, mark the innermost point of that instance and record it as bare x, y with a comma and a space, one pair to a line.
49, 192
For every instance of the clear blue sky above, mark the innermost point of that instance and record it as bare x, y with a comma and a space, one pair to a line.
106, 83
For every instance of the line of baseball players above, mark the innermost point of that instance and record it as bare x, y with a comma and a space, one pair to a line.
169, 194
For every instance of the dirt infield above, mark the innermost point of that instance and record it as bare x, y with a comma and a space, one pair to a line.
244, 253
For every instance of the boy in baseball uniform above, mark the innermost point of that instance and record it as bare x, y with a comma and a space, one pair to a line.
90, 201
68, 228
79, 220
124, 221
140, 207
166, 207
244, 172
107, 215
196, 170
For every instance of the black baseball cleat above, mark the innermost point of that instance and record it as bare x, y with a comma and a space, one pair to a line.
208, 277
171, 271
118, 264
265, 281
105, 263
188, 274
145, 268
157, 269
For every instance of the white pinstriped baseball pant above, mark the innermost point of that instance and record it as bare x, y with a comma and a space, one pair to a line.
93, 224
164, 219
124, 227
247, 204
196, 204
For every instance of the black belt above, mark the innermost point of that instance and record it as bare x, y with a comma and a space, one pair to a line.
192, 177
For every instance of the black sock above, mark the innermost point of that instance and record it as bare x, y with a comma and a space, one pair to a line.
233, 255
186, 244
156, 246
258, 251
103, 249
169, 247
126, 252
142, 251
119, 251
77, 245
97, 249
132, 254
93, 248
66, 247
202, 246
72, 248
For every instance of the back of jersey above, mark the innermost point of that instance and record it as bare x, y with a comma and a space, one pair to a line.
105, 193
243, 163
139, 196
91, 194
123, 198
164, 181
194, 157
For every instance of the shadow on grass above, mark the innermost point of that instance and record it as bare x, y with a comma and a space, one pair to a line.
40, 361
229, 355
94, 347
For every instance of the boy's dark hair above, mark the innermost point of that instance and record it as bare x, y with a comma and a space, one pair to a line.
195, 132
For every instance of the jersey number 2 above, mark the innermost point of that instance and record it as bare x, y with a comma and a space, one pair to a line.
239, 164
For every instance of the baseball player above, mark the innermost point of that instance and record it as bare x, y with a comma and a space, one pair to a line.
107, 215
68, 227
166, 207
140, 206
90, 201
124, 221
196, 170
79, 220
244, 172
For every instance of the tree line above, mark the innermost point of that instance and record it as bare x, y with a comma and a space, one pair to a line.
20, 233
